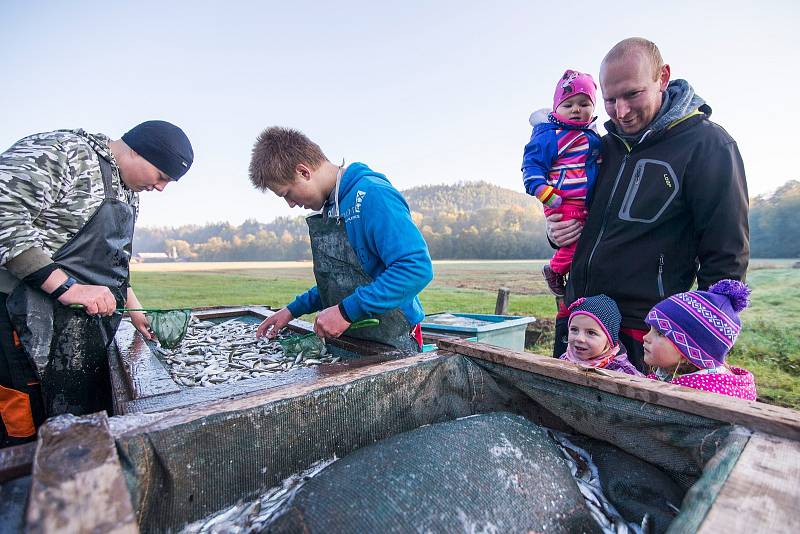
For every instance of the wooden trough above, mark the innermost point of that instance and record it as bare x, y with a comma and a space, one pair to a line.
141, 382
79, 484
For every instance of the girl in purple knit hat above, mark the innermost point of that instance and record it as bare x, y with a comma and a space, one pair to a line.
559, 166
593, 339
690, 336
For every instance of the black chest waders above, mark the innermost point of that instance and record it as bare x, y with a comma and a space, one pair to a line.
339, 273
65, 347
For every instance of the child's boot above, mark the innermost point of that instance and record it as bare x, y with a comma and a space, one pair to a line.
555, 281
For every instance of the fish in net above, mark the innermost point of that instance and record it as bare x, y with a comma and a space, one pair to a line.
169, 326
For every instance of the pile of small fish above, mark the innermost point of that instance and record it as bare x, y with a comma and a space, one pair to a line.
253, 516
212, 354
587, 477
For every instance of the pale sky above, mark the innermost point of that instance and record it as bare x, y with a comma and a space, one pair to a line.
426, 92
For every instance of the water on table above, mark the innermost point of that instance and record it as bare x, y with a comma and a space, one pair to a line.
218, 353
449, 319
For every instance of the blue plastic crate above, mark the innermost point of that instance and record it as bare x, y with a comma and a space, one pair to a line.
501, 330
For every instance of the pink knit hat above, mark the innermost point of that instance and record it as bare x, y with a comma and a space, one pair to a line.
574, 83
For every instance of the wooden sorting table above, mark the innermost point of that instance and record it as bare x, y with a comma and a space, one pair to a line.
760, 493
141, 382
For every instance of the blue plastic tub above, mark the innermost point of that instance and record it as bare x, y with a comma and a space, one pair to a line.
500, 330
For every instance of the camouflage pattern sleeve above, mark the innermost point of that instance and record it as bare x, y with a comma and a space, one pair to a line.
33, 173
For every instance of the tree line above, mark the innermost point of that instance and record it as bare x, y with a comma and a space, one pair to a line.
468, 220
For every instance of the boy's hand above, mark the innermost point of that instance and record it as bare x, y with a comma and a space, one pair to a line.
330, 323
273, 324
562, 233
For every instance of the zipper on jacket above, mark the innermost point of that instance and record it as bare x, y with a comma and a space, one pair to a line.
605, 217
660, 275
561, 178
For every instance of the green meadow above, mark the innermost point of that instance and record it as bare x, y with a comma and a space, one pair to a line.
768, 346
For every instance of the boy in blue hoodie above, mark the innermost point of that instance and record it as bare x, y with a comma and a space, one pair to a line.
370, 260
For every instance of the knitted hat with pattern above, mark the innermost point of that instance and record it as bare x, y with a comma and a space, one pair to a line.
602, 309
703, 325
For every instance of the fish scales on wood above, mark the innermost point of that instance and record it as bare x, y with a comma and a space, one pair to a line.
212, 354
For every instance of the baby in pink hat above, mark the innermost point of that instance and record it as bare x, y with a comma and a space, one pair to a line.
560, 162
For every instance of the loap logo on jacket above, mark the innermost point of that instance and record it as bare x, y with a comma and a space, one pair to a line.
359, 197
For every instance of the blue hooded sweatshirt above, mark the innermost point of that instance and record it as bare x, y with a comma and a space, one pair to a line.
386, 241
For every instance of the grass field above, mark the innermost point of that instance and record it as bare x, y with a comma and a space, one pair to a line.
768, 345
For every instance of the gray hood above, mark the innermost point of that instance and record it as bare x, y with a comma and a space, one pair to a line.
679, 100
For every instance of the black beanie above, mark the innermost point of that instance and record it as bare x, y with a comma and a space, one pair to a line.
162, 144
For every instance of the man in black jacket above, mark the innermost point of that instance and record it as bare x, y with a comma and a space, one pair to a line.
670, 204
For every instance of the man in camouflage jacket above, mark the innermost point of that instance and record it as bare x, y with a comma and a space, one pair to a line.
51, 185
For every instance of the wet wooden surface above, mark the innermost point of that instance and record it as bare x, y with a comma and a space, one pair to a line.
762, 493
120, 390
757, 416
78, 484
144, 373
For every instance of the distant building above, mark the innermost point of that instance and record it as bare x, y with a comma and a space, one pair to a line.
152, 257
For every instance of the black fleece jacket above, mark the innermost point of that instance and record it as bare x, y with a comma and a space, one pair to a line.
670, 209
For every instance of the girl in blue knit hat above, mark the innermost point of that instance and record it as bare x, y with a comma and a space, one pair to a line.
593, 339
690, 336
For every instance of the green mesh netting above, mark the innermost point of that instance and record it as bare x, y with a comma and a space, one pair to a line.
169, 326
310, 346
488, 473
200, 460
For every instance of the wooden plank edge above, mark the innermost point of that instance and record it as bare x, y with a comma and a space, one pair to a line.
120, 389
761, 492
16, 461
758, 416
78, 484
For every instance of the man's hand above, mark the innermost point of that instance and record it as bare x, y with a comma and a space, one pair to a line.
273, 324
563, 233
330, 323
96, 300
139, 320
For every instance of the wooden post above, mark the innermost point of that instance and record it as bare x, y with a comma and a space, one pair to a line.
501, 308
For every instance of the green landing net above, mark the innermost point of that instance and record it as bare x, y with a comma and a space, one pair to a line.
312, 346
169, 326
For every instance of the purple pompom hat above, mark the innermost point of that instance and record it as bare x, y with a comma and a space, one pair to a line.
703, 325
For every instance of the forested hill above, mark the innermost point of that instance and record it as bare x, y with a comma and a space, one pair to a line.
461, 221
775, 223
468, 220
465, 197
